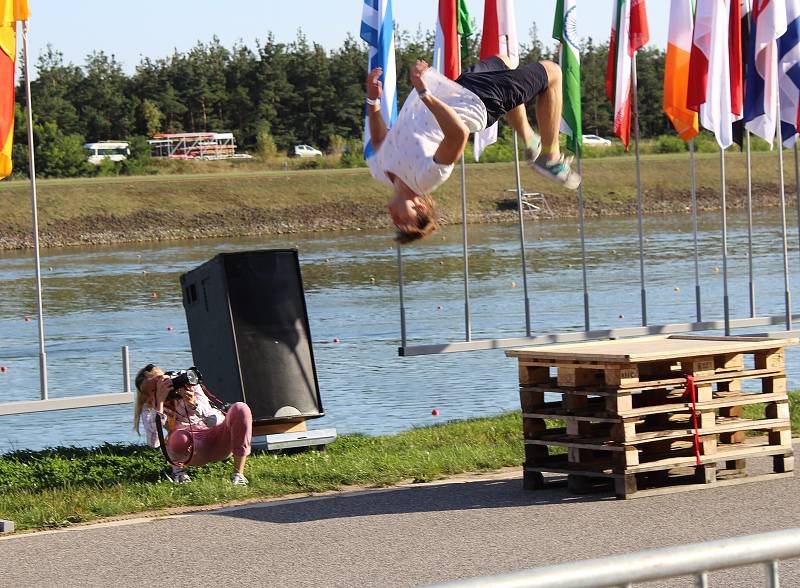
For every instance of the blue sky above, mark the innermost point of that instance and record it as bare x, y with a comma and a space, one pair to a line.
146, 28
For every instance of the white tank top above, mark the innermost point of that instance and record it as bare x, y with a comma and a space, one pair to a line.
409, 146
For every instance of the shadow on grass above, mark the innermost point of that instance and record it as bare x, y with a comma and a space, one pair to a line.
439, 497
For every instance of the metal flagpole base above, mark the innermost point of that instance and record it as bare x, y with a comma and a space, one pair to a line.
43, 373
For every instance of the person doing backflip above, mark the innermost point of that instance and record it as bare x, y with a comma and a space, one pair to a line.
418, 153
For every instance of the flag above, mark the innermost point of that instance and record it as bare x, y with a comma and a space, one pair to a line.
565, 32
11, 11
789, 73
377, 29
446, 51
761, 95
709, 70
735, 58
676, 70
465, 28
500, 30
499, 36
629, 33
742, 59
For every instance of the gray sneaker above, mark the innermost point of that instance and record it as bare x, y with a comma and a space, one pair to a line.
558, 170
238, 479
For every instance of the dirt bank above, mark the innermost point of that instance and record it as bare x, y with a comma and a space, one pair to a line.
156, 209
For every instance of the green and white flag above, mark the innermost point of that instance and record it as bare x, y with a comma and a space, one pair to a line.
465, 29
565, 32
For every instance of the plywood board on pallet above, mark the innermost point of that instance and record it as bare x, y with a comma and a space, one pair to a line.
653, 348
707, 378
723, 425
560, 438
720, 401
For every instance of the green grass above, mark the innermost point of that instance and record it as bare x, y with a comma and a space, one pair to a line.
62, 486
225, 187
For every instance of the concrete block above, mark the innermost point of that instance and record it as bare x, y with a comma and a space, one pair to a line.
6, 526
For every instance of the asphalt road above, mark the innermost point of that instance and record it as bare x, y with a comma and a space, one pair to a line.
406, 536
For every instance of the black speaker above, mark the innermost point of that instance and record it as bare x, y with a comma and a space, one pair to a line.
249, 332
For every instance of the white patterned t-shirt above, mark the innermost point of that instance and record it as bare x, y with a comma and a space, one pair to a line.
409, 146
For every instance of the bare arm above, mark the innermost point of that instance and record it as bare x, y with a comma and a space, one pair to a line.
455, 131
377, 126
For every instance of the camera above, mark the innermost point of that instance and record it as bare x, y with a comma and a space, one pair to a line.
180, 378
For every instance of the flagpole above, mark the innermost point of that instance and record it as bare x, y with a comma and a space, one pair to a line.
748, 24
32, 165
797, 184
467, 316
786, 290
638, 188
522, 239
582, 220
723, 206
750, 224
694, 229
402, 298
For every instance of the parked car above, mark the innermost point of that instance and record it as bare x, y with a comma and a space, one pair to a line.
595, 141
304, 151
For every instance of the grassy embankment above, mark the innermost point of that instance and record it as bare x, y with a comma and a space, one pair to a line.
63, 486
241, 198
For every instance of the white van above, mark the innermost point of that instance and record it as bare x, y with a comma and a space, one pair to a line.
115, 151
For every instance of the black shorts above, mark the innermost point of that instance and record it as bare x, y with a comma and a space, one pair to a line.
501, 88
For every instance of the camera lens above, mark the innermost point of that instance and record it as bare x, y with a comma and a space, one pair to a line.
192, 377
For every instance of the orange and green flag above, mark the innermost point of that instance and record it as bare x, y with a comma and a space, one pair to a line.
676, 70
10, 11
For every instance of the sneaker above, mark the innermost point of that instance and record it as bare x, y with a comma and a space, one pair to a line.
533, 151
558, 170
238, 479
180, 477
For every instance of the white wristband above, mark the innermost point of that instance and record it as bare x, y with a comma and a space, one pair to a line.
375, 102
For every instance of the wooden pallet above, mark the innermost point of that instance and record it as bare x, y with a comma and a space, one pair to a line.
729, 465
625, 416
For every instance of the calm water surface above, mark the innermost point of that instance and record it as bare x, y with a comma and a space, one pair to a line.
97, 299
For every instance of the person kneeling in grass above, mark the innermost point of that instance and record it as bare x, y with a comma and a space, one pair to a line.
198, 433
417, 154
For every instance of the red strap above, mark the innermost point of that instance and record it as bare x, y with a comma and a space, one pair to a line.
691, 390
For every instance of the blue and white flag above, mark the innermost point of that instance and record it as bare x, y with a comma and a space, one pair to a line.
789, 73
768, 24
377, 29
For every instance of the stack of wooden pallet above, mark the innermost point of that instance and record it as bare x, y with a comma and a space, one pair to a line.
655, 414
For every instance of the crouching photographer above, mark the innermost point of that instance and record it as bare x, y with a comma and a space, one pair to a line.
197, 431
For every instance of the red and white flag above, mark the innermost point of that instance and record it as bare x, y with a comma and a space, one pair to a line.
446, 47
709, 70
629, 33
499, 36
735, 58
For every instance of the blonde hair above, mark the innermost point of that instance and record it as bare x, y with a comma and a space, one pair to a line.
141, 397
426, 222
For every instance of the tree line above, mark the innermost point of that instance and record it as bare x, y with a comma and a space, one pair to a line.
271, 96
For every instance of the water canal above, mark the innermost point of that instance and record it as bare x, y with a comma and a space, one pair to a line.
97, 299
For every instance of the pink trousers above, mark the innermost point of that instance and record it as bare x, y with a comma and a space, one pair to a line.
201, 446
